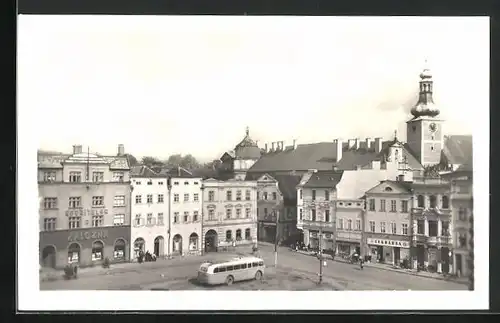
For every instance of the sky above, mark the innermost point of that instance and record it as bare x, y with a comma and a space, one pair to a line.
163, 85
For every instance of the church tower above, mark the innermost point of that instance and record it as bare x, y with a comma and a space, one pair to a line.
425, 130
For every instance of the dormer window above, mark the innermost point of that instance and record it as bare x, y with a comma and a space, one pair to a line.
388, 189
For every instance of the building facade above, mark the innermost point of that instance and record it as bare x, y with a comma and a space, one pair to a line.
185, 213
85, 208
386, 234
269, 208
229, 213
149, 212
349, 214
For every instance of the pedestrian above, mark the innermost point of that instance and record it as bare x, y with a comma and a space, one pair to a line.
361, 263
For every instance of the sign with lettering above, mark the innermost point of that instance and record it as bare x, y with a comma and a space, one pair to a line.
87, 235
388, 242
82, 212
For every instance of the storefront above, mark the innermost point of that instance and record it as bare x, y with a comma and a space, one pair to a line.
390, 249
84, 247
348, 243
327, 241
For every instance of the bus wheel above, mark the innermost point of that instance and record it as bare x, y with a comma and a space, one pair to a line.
229, 280
258, 275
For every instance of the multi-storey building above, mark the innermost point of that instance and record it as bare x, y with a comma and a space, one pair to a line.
85, 208
185, 212
461, 195
229, 213
269, 208
386, 234
149, 212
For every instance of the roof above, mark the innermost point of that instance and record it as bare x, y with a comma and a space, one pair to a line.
288, 185
178, 172
144, 171
355, 183
46, 160
247, 148
324, 179
404, 185
458, 149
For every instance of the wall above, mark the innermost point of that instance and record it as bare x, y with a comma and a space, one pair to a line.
414, 137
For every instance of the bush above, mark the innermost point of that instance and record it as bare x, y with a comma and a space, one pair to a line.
106, 263
70, 271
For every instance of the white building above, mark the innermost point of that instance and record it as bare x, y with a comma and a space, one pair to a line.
149, 212
185, 205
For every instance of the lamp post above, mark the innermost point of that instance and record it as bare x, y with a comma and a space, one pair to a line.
412, 249
276, 214
169, 188
202, 238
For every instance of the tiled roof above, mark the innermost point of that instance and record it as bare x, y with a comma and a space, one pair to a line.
288, 185
352, 158
46, 160
205, 173
320, 156
144, 171
405, 185
324, 179
457, 149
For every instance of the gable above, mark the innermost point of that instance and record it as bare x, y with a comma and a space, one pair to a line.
387, 188
266, 178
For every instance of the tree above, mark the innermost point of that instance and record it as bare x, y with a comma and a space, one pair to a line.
188, 161
174, 161
150, 161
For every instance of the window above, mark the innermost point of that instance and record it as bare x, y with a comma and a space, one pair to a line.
196, 197
265, 212
50, 203
238, 195
195, 183
186, 217
300, 194
275, 196
372, 226
119, 200
238, 234
118, 176
393, 228
74, 222
97, 250
97, 200
49, 224
327, 195
462, 240
238, 213
49, 176
404, 206
149, 219
247, 234
420, 201
75, 202
228, 213
150, 182
420, 227
349, 224
393, 205
138, 199
118, 219
433, 228
97, 176
372, 204
382, 227
176, 198
211, 196
211, 214
265, 195
176, 183
382, 205
137, 219
160, 183
462, 214
137, 182
327, 215
404, 229
160, 219
247, 212
195, 216
433, 201
446, 202
97, 220
160, 198
186, 183
186, 197
176, 217
247, 195
445, 229
229, 195
258, 195
149, 198
313, 195
313, 215
358, 224
75, 177
300, 214
229, 235
341, 224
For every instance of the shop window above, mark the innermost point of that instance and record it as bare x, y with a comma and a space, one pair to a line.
193, 241
119, 249
97, 251
74, 253
138, 246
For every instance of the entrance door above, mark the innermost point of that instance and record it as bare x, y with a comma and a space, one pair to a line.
380, 254
397, 255
49, 257
420, 255
211, 241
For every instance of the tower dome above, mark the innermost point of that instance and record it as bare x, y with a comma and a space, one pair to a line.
247, 148
425, 105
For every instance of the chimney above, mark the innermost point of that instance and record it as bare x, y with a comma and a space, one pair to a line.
272, 146
351, 143
265, 147
356, 143
338, 148
368, 143
121, 150
378, 144
77, 149
282, 145
294, 143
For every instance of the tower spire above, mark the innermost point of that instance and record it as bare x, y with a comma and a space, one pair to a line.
247, 131
425, 105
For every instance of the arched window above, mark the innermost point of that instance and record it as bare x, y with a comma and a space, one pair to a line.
74, 253
97, 250
433, 201
247, 234
446, 202
119, 249
229, 235
420, 201
193, 241
238, 234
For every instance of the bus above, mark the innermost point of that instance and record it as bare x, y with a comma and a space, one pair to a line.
227, 272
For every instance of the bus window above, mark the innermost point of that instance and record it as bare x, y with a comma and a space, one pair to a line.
250, 265
261, 263
237, 267
222, 269
255, 264
216, 270
229, 268
243, 266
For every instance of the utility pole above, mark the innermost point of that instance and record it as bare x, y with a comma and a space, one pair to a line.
276, 214
169, 188
471, 246
412, 249
320, 255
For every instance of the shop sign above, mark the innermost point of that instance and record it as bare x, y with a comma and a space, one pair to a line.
387, 242
87, 235
82, 212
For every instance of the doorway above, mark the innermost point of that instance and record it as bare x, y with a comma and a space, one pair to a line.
49, 257
211, 241
459, 265
380, 254
397, 255
158, 246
